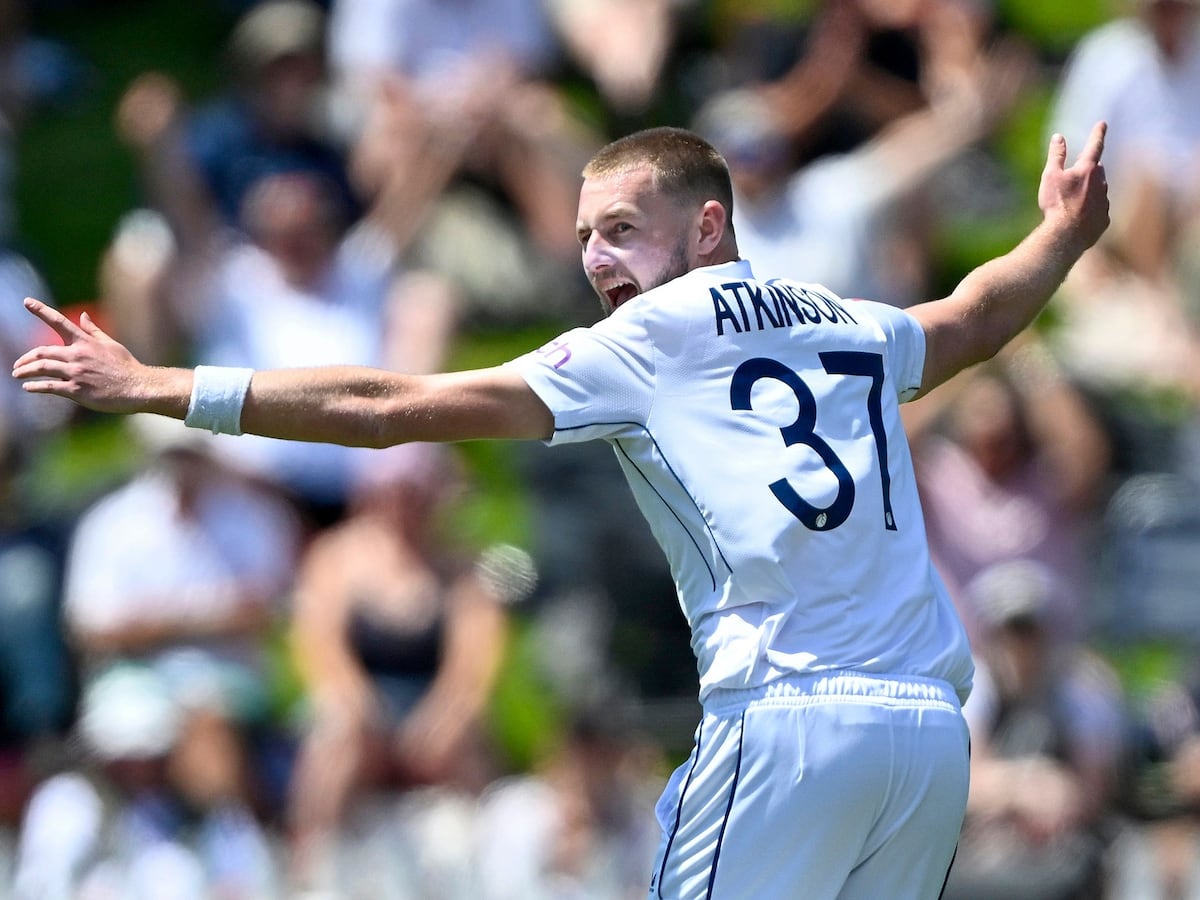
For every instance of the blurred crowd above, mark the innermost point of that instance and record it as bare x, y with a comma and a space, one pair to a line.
244, 668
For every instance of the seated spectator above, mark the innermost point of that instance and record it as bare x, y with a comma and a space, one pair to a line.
1048, 741
113, 823
399, 640
37, 674
1148, 390
1012, 463
305, 286
179, 573
578, 825
257, 251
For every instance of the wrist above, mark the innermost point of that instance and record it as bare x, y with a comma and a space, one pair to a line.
159, 390
216, 398
1073, 230
1061, 243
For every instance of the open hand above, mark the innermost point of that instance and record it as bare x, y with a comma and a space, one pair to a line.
92, 369
1077, 196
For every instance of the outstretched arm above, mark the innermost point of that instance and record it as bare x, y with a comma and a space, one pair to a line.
998, 300
352, 405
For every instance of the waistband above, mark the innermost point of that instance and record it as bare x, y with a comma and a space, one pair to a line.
814, 687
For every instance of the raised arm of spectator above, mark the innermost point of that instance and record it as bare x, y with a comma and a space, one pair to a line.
149, 121
1000, 298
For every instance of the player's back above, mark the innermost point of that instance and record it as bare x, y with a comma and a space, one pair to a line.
774, 470
758, 425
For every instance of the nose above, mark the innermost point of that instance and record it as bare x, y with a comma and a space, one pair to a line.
596, 254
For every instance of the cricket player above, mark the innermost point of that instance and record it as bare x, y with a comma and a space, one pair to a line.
757, 420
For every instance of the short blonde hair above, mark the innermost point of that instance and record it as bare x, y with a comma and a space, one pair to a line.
685, 166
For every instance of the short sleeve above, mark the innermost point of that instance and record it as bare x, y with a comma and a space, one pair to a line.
906, 345
598, 382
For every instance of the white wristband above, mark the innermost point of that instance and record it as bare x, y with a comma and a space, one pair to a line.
218, 393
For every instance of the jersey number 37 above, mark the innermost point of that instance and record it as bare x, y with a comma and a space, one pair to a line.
802, 431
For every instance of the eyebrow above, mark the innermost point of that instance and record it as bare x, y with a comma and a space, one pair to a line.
621, 210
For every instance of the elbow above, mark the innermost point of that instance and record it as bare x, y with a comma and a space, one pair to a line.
383, 415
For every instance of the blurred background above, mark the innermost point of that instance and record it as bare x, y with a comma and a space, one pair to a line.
239, 668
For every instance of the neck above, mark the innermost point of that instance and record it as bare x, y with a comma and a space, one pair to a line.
726, 252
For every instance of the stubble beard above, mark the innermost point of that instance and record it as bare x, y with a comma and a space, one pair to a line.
677, 265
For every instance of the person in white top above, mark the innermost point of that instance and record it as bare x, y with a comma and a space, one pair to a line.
757, 420
1140, 72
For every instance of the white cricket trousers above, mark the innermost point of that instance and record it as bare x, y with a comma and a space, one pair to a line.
820, 787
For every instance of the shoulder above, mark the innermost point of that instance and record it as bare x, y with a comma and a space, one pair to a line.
354, 538
217, 125
1111, 51
1123, 33
896, 322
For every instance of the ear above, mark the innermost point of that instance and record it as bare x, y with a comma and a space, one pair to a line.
713, 220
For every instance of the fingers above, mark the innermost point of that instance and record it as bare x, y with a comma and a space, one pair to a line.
88, 325
1095, 144
40, 362
56, 386
1056, 157
63, 327
41, 373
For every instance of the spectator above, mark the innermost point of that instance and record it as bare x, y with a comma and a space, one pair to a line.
399, 641
1048, 737
1141, 73
639, 60
577, 826
178, 575
273, 228
1147, 390
460, 135
849, 219
1012, 463
37, 674
113, 824
308, 289
198, 164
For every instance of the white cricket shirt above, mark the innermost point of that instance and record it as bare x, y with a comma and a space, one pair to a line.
758, 424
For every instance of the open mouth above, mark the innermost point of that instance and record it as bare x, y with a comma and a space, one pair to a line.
621, 292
